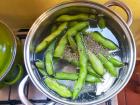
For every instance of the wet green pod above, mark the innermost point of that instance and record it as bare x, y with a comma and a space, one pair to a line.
83, 66
49, 58
59, 51
92, 16
103, 41
89, 68
73, 31
92, 71
43, 72
108, 65
74, 76
78, 17
42, 45
40, 64
58, 88
93, 79
72, 61
54, 27
71, 24
72, 42
116, 62
41, 67
96, 63
102, 23
66, 76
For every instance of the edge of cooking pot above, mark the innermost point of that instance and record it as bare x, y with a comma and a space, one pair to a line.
14, 50
48, 13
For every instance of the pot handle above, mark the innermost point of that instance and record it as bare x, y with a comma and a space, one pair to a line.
18, 76
124, 7
22, 96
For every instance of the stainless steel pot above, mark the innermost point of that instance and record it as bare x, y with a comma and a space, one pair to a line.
123, 34
11, 69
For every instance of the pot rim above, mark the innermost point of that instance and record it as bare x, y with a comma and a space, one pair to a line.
14, 50
49, 12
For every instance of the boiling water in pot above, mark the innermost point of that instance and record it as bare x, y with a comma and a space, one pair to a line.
89, 91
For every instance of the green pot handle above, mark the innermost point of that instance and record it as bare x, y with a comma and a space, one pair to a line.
17, 78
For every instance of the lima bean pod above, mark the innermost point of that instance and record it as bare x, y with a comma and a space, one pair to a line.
108, 65
49, 58
115, 62
71, 24
102, 23
75, 17
74, 76
40, 64
89, 68
41, 67
96, 63
83, 66
103, 41
91, 71
58, 88
43, 72
54, 27
73, 31
43, 44
59, 50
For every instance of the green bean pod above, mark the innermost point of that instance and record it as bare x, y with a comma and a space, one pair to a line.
54, 27
92, 16
91, 71
108, 65
40, 64
71, 24
96, 63
43, 44
82, 17
83, 66
72, 61
49, 58
72, 43
58, 88
59, 50
115, 62
74, 76
93, 79
89, 68
103, 41
73, 17
43, 72
73, 31
41, 67
102, 23
66, 76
